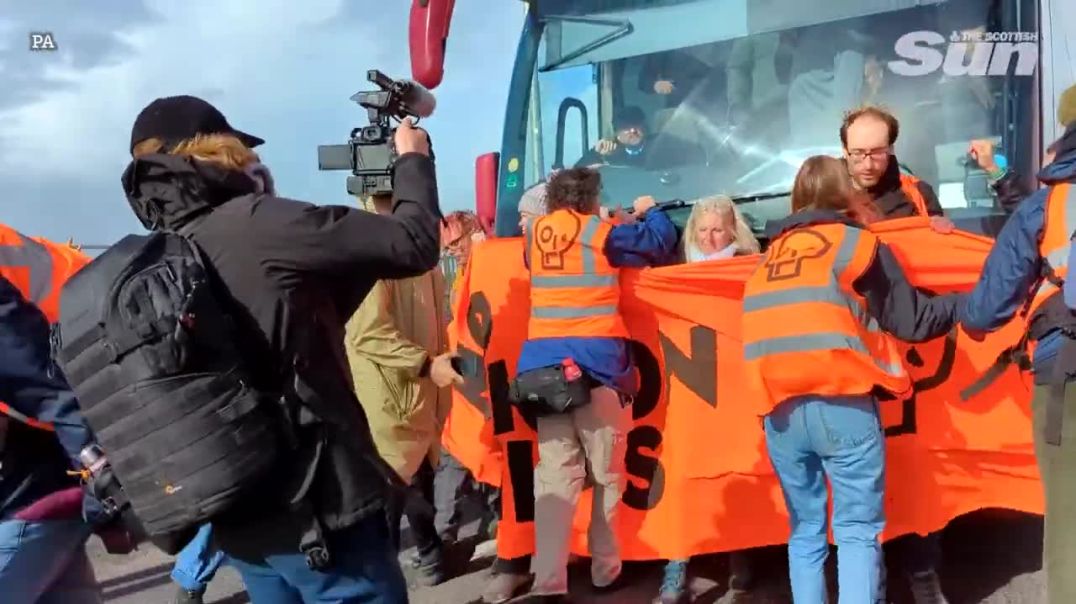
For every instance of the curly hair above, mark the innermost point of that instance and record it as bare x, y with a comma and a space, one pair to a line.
574, 189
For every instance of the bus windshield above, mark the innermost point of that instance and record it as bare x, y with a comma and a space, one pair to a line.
682, 99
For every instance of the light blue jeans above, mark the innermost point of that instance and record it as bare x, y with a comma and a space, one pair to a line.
45, 563
809, 440
198, 561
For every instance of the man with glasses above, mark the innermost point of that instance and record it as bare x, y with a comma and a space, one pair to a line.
868, 135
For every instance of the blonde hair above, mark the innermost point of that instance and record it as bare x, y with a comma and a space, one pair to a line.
723, 206
223, 150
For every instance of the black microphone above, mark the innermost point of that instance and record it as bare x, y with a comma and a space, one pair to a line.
415, 99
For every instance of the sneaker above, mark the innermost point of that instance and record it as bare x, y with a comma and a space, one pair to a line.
505, 586
430, 570
673, 584
926, 588
188, 596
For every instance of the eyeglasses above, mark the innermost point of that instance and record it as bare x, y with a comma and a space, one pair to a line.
858, 155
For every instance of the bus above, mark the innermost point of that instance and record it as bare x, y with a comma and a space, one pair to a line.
733, 95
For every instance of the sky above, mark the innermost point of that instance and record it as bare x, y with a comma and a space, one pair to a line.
280, 69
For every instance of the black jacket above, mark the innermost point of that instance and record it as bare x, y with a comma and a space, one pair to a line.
892, 201
33, 462
900, 308
294, 273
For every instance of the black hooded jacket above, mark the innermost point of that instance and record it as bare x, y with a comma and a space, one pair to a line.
892, 201
293, 273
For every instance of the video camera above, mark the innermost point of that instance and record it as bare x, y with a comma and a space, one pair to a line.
370, 153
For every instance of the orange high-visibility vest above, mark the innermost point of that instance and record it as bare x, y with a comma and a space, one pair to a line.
38, 268
806, 330
1056, 239
909, 185
575, 292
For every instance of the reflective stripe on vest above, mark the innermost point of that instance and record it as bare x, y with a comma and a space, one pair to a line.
805, 330
574, 290
831, 294
909, 185
27, 264
587, 279
29, 421
30, 266
1057, 236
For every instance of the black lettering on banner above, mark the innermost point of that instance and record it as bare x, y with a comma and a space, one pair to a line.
480, 319
649, 380
479, 322
474, 386
909, 411
699, 371
521, 473
646, 468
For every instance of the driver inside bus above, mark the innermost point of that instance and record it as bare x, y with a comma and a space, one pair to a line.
634, 146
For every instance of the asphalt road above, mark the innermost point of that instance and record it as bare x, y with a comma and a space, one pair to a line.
992, 557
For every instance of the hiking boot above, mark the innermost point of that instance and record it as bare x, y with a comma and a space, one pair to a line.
505, 586
188, 596
926, 588
673, 584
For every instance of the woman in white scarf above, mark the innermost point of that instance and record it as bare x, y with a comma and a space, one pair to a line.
716, 229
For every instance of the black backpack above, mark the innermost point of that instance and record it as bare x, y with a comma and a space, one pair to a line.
151, 353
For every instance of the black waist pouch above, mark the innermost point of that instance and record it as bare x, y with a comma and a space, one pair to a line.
547, 391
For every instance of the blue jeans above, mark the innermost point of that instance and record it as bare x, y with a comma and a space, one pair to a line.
198, 561
45, 562
364, 569
810, 440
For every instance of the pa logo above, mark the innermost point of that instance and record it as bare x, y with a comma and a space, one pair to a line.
42, 40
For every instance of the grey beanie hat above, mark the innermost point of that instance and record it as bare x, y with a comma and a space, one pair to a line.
533, 200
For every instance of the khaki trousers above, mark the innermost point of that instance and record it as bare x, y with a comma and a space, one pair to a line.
589, 440
1057, 464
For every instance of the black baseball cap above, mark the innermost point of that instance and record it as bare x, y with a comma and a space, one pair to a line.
629, 117
177, 118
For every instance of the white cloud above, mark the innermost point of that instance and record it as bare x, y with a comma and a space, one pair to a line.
280, 69
232, 53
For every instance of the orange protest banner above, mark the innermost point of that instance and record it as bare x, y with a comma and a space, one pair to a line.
699, 480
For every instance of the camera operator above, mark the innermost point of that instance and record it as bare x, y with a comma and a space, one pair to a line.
293, 273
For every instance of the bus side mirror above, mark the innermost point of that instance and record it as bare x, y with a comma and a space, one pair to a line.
485, 189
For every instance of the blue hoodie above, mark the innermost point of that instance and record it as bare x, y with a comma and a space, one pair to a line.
34, 461
1014, 263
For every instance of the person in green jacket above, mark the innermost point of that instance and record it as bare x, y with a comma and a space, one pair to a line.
400, 366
